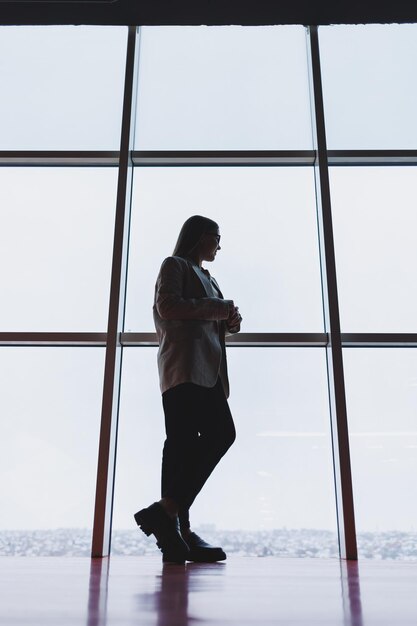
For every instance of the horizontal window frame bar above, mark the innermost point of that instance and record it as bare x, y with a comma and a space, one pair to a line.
242, 339
349, 340
206, 158
184, 158
59, 158
53, 339
246, 340
345, 158
379, 340
273, 157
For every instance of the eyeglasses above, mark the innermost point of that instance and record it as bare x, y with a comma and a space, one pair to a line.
214, 235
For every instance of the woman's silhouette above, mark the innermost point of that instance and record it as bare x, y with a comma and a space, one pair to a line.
191, 319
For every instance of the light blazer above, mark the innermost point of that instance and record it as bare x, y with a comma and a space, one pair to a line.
189, 322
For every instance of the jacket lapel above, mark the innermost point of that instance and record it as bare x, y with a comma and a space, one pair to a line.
217, 286
205, 283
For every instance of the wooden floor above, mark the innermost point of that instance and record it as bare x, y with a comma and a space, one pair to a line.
243, 591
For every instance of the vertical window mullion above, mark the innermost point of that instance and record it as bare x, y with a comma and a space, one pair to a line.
337, 396
113, 360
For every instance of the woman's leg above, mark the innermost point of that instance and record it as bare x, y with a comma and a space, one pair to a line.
217, 434
181, 440
200, 430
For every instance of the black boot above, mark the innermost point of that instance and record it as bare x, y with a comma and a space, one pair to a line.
201, 551
156, 521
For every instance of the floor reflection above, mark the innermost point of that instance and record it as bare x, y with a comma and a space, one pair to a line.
167, 595
98, 592
351, 593
170, 602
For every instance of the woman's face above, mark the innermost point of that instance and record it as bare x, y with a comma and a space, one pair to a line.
210, 243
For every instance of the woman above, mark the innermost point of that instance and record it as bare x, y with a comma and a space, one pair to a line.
191, 319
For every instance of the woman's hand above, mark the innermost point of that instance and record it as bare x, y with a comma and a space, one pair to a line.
234, 319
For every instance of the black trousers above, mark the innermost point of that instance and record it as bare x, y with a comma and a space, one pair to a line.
199, 431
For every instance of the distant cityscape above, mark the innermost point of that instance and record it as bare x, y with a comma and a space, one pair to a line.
280, 543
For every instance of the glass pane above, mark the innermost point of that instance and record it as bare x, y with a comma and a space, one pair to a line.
50, 407
62, 87
56, 243
370, 94
381, 388
280, 464
375, 222
223, 88
269, 260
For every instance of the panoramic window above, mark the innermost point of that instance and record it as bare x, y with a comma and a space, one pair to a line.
223, 121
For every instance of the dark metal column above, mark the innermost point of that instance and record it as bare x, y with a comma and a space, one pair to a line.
337, 398
113, 362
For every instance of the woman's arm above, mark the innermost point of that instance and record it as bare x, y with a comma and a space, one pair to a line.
170, 303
